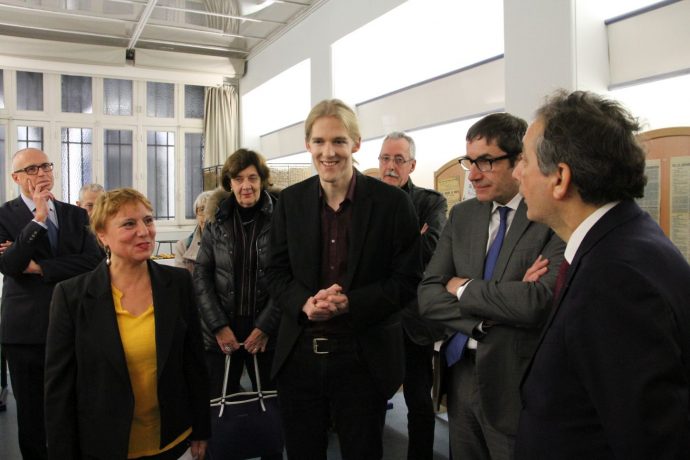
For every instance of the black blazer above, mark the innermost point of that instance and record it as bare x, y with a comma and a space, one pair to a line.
25, 298
89, 399
611, 376
383, 269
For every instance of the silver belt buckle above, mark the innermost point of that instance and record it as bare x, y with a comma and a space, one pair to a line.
315, 345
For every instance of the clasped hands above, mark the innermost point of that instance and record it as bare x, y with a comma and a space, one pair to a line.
255, 343
326, 304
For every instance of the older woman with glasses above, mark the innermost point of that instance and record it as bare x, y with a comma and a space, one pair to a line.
125, 376
229, 278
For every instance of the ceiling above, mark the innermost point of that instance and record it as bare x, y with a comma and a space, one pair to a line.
232, 28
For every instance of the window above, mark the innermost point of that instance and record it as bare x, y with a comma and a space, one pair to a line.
160, 99
2, 163
29, 91
160, 168
117, 97
194, 162
2, 91
76, 94
76, 156
29, 136
193, 101
117, 150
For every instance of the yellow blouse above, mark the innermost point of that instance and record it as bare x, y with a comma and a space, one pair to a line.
138, 334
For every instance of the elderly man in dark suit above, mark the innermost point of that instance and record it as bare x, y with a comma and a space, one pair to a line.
49, 241
480, 284
345, 259
396, 162
611, 376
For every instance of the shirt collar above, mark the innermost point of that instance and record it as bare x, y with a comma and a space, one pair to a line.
512, 204
581, 231
32, 206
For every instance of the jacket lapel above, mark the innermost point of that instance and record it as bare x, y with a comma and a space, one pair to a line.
309, 215
165, 310
515, 232
479, 238
361, 212
99, 311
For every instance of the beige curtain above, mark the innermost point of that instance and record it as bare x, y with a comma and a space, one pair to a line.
221, 127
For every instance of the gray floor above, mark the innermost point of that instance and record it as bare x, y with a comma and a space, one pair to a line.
394, 438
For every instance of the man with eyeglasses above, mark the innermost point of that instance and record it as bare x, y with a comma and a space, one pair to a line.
396, 163
49, 241
490, 284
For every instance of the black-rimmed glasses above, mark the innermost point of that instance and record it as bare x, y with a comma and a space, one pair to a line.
32, 170
482, 164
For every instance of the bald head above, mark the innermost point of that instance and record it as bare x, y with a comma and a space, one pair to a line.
31, 168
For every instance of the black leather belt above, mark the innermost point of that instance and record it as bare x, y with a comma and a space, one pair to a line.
328, 345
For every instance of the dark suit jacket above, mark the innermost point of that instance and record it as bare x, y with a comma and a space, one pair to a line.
25, 298
611, 376
383, 269
518, 308
89, 399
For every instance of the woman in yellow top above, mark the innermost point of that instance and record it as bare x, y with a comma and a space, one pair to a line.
125, 374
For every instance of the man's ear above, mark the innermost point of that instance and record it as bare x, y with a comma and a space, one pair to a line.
413, 164
561, 181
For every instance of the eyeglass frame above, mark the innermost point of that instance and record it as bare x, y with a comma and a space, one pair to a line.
43, 167
397, 159
490, 161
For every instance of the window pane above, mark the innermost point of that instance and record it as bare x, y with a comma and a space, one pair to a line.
76, 156
160, 99
194, 178
117, 97
29, 136
118, 158
29, 91
160, 164
76, 94
193, 101
2, 91
2, 163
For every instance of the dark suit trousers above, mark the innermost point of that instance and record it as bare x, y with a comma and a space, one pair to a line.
471, 434
26, 364
420, 408
313, 388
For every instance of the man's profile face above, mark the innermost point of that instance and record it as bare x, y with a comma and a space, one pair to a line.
534, 185
27, 182
88, 200
395, 164
496, 185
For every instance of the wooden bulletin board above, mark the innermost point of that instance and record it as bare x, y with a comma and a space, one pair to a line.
667, 194
449, 180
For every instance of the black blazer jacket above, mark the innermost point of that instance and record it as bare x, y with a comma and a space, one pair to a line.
89, 399
611, 376
383, 269
26, 298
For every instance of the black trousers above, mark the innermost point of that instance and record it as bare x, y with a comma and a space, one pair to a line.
315, 388
26, 363
417, 385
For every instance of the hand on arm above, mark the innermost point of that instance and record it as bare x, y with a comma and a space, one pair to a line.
455, 283
537, 270
425, 228
226, 340
33, 268
4, 246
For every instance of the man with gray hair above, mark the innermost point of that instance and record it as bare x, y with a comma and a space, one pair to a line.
396, 163
88, 195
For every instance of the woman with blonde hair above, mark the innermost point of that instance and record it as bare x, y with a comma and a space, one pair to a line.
125, 375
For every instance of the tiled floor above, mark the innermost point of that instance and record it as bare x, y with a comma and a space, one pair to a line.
394, 438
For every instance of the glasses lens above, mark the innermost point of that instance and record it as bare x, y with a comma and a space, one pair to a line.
465, 163
47, 167
31, 170
484, 165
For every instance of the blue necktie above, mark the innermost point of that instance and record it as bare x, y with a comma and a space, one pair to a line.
456, 345
52, 235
